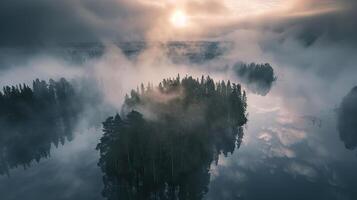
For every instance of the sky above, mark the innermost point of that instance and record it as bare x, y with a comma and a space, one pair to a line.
47, 22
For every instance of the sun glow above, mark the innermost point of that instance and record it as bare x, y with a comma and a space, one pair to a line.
178, 19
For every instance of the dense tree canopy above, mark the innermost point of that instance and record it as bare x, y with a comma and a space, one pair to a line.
167, 152
31, 119
190, 99
258, 77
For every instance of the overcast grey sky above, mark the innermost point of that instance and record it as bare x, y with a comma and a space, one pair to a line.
38, 22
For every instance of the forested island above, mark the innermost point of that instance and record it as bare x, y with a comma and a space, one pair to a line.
167, 137
31, 119
347, 119
258, 77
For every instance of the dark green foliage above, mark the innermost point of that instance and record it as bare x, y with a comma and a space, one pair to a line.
258, 77
347, 119
190, 98
33, 119
169, 155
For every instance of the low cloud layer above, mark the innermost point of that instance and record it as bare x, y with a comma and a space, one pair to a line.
314, 72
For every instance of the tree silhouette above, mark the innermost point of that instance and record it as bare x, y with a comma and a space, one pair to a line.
258, 77
169, 156
32, 119
212, 100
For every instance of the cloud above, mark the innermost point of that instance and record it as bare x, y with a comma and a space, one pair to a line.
35, 22
47, 22
281, 152
329, 21
42, 67
43, 22
307, 171
288, 136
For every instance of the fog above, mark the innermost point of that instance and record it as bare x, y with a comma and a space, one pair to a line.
300, 135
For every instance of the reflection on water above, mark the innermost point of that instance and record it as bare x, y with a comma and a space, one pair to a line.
288, 152
33, 119
285, 155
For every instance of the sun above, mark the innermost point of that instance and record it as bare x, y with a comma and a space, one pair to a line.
179, 19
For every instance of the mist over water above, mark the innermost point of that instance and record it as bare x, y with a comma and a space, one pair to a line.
188, 99
291, 139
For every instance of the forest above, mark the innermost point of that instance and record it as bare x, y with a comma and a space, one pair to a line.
166, 151
258, 77
32, 119
190, 99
